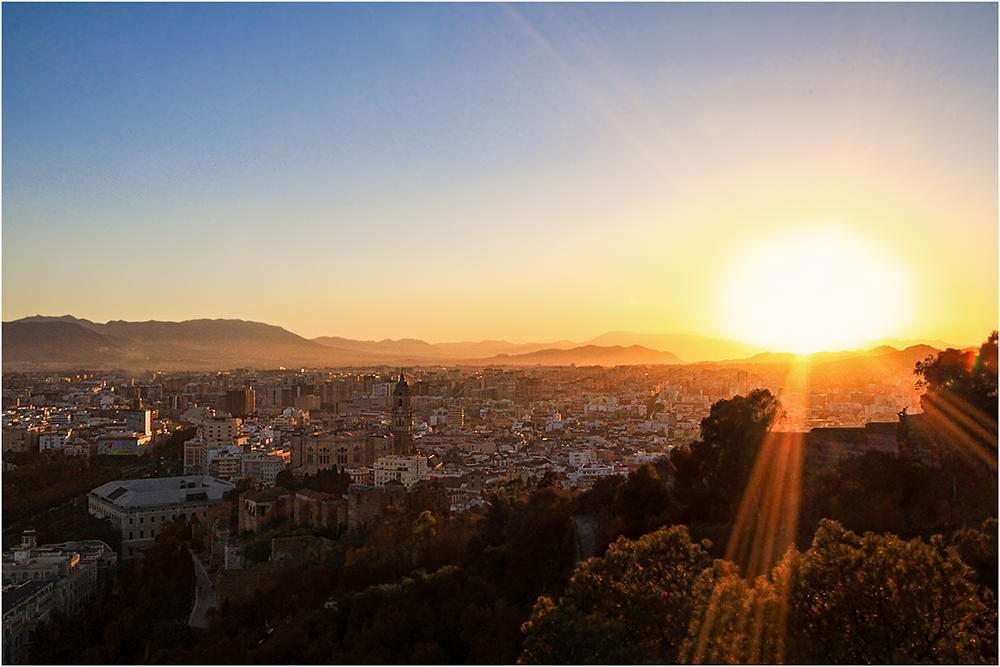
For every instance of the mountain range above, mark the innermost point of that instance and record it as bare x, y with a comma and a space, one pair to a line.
56, 343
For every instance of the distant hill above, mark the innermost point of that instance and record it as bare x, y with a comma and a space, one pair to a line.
587, 355
897, 344
855, 367
61, 344
687, 347
878, 360
438, 352
53, 343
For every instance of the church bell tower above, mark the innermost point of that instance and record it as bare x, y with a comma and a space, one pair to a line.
402, 419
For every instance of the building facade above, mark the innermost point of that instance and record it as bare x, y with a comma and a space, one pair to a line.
38, 580
407, 470
141, 507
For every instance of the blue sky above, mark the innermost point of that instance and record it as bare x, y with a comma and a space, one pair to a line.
531, 171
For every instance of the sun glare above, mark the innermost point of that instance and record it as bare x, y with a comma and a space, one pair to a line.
812, 291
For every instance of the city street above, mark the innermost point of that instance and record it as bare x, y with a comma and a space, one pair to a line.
204, 596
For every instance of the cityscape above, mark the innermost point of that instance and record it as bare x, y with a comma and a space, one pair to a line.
342, 333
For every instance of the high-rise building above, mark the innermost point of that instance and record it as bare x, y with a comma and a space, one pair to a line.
240, 402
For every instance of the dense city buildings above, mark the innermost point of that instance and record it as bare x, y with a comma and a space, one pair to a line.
41, 580
578, 423
471, 429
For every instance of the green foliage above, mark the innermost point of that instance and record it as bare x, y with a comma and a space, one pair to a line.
72, 521
879, 599
447, 617
428, 497
526, 545
978, 549
847, 599
641, 502
49, 482
285, 479
957, 432
332, 481
867, 493
258, 547
712, 473
631, 605
735, 621
963, 376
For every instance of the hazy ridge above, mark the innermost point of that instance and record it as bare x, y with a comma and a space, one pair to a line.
51, 343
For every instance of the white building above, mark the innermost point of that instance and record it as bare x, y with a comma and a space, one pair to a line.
405, 469
580, 458
262, 467
140, 507
40, 580
590, 473
53, 439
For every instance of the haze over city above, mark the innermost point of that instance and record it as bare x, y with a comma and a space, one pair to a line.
796, 176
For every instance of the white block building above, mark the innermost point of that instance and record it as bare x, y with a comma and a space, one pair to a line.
405, 469
140, 507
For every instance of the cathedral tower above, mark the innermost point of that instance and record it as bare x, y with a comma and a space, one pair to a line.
402, 419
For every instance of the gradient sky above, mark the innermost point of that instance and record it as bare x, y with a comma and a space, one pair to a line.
522, 172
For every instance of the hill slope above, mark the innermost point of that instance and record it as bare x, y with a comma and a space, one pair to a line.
587, 355
53, 343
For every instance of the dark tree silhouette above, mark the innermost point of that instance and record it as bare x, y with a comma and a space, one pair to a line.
712, 473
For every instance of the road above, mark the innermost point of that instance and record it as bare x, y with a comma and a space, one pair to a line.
204, 596
586, 536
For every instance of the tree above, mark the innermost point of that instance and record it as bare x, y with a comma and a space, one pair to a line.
978, 549
285, 479
641, 501
526, 545
958, 428
847, 599
879, 599
332, 481
736, 621
965, 377
632, 605
117, 626
713, 472
243, 485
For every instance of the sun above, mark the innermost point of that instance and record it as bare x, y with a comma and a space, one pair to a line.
813, 290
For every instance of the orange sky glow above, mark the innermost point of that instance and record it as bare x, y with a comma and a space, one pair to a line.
800, 176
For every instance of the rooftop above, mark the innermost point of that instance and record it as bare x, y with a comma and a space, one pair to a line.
155, 492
